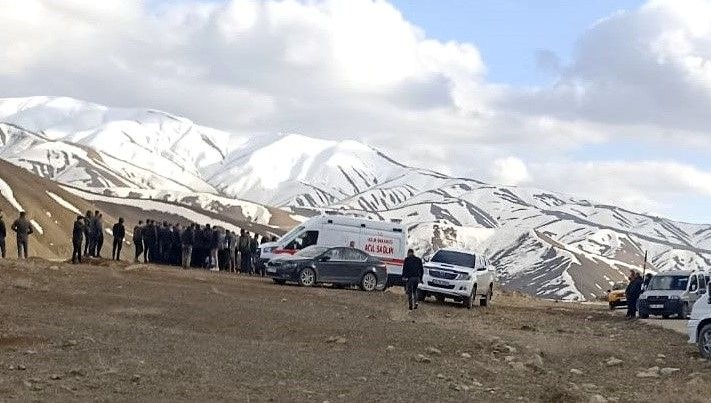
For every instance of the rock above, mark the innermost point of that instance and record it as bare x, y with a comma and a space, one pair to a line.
434, 351
69, 343
21, 367
283, 300
589, 386
54, 268
447, 315
422, 358
362, 379
575, 371
336, 340
390, 348
519, 366
466, 355
614, 362
537, 361
510, 349
465, 388
597, 399
650, 373
77, 372
55, 377
477, 384
440, 376
509, 358
668, 371
136, 378
30, 352
662, 356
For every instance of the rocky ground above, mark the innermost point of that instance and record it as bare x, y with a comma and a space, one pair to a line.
116, 332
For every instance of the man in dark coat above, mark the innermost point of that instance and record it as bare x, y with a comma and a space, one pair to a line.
138, 240
632, 292
245, 253
412, 272
187, 239
88, 236
97, 230
3, 235
176, 246
149, 242
119, 232
77, 239
23, 229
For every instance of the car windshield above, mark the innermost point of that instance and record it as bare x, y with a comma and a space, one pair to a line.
454, 258
619, 286
669, 283
311, 251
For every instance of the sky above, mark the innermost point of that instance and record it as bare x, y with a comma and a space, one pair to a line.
602, 99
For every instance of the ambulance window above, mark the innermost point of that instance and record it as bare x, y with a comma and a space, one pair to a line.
354, 255
304, 240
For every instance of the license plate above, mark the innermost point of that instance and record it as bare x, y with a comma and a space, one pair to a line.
439, 282
657, 306
271, 270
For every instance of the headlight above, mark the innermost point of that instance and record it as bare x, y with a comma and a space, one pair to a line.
464, 277
643, 296
674, 297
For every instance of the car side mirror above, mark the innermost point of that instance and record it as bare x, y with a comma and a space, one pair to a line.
426, 258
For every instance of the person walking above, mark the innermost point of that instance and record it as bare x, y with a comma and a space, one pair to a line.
3, 235
119, 232
23, 229
633, 291
77, 239
138, 241
412, 272
187, 240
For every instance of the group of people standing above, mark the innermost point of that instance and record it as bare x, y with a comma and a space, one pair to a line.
22, 228
88, 236
634, 289
208, 247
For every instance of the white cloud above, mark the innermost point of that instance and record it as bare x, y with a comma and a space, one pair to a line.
510, 171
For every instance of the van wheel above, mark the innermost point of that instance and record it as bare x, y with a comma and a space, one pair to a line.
489, 295
439, 298
369, 282
280, 282
704, 342
307, 277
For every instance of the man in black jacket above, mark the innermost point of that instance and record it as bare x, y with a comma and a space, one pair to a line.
149, 242
138, 240
3, 235
187, 241
23, 228
77, 238
412, 273
119, 232
88, 237
633, 291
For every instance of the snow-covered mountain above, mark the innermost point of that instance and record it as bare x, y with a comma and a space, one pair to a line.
542, 242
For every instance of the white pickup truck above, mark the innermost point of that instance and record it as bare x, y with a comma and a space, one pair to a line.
460, 275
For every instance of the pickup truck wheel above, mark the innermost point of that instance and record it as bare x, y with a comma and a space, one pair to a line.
469, 301
439, 298
307, 277
704, 342
487, 298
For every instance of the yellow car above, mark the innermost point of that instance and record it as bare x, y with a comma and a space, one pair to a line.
616, 297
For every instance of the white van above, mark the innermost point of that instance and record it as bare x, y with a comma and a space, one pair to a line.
384, 240
699, 325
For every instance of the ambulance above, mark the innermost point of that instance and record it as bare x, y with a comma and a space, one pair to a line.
384, 240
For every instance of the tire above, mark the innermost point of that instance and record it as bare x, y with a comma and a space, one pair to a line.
421, 295
439, 298
469, 301
280, 282
369, 282
489, 295
704, 342
307, 277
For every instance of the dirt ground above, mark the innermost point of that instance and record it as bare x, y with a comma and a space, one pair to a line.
117, 332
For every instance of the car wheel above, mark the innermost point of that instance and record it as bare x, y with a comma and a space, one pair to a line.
439, 298
307, 277
704, 342
280, 282
369, 282
489, 294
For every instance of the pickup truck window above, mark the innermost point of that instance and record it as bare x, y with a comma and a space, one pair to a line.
455, 258
668, 283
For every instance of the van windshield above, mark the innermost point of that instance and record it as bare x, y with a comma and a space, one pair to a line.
668, 283
454, 258
289, 236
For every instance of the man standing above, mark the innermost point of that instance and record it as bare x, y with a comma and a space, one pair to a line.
633, 291
88, 235
119, 232
412, 273
138, 240
232, 251
187, 241
77, 238
98, 234
246, 256
253, 246
23, 228
3, 235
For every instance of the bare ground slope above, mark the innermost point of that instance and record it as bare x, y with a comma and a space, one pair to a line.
149, 333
